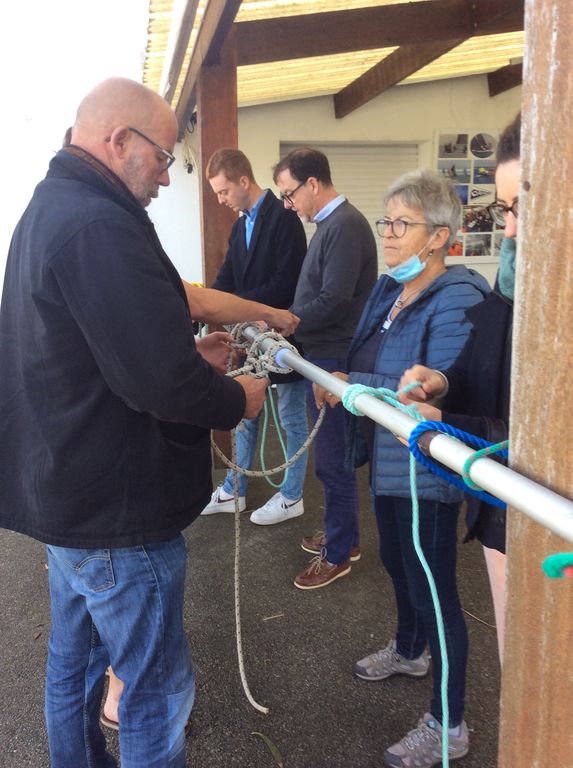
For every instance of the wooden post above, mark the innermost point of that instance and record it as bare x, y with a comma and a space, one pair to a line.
537, 679
217, 125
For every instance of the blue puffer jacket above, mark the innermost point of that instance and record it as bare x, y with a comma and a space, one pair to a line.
431, 331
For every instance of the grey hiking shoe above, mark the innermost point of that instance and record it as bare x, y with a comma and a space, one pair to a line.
388, 662
422, 747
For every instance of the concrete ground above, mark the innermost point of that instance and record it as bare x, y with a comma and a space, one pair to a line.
299, 649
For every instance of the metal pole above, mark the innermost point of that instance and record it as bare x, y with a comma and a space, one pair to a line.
537, 502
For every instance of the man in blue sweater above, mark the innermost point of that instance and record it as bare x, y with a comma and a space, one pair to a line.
339, 271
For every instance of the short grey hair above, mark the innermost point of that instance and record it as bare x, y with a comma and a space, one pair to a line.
432, 194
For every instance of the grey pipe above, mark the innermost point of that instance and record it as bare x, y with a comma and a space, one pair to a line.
539, 503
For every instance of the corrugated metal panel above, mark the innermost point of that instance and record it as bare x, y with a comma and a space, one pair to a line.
324, 75
320, 75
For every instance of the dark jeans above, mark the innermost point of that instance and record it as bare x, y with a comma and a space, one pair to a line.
340, 491
416, 616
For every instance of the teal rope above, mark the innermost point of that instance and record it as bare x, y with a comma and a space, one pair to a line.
387, 395
468, 463
438, 612
391, 397
559, 565
264, 439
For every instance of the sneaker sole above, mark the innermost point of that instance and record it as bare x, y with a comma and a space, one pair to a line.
392, 674
393, 761
325, 583
220, 512
353, 558
275, 522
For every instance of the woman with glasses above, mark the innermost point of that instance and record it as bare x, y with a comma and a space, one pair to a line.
415, 312
476, 386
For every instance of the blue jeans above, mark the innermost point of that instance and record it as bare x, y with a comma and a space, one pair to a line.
416, 616
339, 485
292, 416
124, 607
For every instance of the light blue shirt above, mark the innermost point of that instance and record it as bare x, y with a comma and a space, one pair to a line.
250, 218
329, 207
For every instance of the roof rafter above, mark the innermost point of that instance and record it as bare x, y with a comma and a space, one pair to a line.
322, 34
396, 67
487, 17
504, 78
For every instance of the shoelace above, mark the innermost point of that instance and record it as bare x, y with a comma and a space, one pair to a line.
423, 734
316, 564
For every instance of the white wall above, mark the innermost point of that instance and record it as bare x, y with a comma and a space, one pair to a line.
404, 113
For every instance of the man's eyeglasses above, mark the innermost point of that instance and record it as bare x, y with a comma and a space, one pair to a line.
499, 211
169, 158
288, 196
399, 227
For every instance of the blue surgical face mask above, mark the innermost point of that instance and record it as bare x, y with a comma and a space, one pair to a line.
506, 274
410, 269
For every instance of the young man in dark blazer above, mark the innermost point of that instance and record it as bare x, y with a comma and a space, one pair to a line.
266, 250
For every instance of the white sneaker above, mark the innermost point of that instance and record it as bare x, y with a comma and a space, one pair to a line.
223, 502
277, 510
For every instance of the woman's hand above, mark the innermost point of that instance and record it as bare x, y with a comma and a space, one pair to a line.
429, 412
433, 384
322, 395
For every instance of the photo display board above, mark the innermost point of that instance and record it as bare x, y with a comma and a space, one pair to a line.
468, 160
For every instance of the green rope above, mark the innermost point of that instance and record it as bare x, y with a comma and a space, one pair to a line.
559, 565
381, 393
264, 440
391, 397
468, 463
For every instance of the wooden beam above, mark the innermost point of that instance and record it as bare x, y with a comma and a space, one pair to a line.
410, 58
537, 685
391, 70
218, 19
217, 127
322, 34
504, 78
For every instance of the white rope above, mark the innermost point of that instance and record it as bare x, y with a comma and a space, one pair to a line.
257, 363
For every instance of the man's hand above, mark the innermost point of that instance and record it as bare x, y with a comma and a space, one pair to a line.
255, 390
282, 320
433, 384
322, 395
212, 306
216, 350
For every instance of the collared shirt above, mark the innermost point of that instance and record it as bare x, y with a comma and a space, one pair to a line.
329, 207
250, 218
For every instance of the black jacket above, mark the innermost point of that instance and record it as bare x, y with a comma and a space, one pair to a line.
478, 399
268, 271
105, 403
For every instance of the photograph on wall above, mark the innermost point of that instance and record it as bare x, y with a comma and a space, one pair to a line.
476, 246
476, 219
453, 145
468, 160
459, 171
497, 241
482, 145
462, 191
484, 172
457, 247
